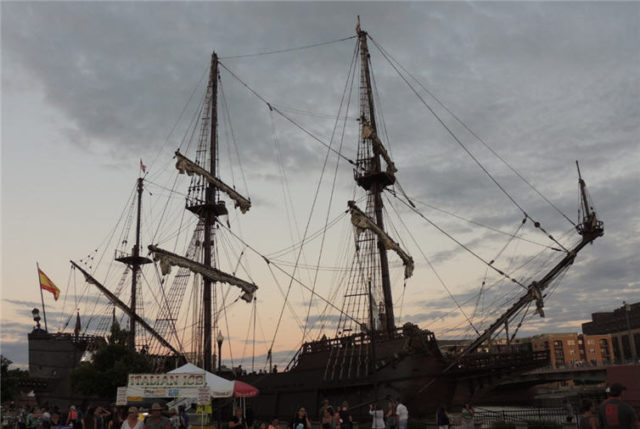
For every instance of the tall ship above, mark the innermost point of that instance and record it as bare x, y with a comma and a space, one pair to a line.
355, 345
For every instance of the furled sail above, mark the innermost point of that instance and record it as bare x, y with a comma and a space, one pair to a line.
378, 147
361, 221
168, 259
185, 165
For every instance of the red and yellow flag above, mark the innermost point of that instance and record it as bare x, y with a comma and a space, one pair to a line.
47, 284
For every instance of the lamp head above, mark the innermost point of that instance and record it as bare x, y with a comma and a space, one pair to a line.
36, 317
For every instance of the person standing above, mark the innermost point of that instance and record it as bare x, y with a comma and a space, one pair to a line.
72, 417
90, 421
378, 416
275, 424
238, 421
403, 414
588, 418
442, 418
392, 417
467, 416
157, 420
117, 418
345, 418
45, 418
614, 413
132, 421
326, 419
300, 420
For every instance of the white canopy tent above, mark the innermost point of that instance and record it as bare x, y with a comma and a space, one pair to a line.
208, 385
218, 386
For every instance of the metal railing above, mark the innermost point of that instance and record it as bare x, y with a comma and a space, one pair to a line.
520, 416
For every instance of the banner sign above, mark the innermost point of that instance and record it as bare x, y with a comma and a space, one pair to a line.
166, 381
204, 397
121, 396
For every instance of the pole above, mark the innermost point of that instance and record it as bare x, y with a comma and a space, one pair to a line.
210, 217
627, 309
44, 312
135, 268
376, 190
219, 413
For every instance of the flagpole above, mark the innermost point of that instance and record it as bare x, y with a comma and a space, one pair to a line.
44, 312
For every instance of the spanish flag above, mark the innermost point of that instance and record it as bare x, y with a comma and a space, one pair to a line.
47, 284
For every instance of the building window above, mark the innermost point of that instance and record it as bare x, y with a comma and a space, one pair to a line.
558, 352
616, 349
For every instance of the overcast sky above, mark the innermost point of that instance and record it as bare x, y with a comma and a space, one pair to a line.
90, 88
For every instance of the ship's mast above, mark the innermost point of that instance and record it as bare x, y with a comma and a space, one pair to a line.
203, 201
373, 179
210, 215
134, 261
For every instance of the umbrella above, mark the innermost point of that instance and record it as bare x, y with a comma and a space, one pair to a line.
244, 390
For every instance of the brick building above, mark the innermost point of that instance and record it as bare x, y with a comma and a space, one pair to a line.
623, 324
570, 349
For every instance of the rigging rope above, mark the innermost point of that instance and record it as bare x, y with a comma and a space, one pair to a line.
473, 222
347, 90
272, 107
462, 145
279, 51
459, 243
271, 263
390, 58
435, 272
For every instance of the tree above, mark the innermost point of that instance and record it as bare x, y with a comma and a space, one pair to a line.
110, 369
9, 379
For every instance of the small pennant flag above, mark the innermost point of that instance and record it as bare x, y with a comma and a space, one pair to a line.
48, 285
142, 166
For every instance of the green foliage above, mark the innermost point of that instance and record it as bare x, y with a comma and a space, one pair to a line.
110, 369
9, 379
118, 335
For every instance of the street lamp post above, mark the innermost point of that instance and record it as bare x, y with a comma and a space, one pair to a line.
219, 339
36, 317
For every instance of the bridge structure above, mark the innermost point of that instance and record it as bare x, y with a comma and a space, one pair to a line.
505, 384
590, 374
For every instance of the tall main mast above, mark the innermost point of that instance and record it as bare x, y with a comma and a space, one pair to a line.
371, 177
210, 215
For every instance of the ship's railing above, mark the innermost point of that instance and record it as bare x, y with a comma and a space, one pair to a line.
359, 339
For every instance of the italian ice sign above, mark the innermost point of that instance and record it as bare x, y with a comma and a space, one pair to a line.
167, 381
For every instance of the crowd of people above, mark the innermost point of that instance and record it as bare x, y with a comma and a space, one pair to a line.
97, 417
612, 413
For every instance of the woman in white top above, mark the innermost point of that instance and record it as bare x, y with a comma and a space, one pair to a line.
132, 421
378, 416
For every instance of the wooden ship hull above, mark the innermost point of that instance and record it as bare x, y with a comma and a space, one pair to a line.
408, 366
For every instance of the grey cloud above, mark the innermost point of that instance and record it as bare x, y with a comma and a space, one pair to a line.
542, 83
